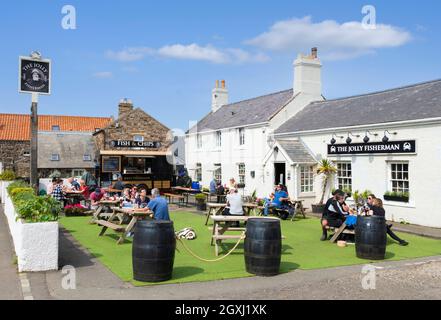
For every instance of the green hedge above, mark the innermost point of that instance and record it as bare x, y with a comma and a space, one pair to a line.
8, 175
32, 208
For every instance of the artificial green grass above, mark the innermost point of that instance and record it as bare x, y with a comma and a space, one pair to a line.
301, 250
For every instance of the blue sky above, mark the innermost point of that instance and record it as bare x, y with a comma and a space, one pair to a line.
166, 55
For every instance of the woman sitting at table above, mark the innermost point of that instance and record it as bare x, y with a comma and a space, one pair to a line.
142, 201
84, 190
377, 209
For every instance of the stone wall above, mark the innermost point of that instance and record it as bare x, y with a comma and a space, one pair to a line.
137, 122
13, 158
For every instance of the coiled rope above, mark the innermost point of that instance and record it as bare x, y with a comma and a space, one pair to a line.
216, 260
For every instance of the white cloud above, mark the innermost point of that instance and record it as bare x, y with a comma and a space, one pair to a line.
103, 75
193, 51
130, 54
334, 40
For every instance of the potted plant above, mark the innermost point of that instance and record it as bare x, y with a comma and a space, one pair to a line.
397, 196
201, 202
327, 169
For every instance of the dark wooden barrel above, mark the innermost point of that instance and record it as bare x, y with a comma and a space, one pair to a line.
153, 252
371, 238
263, 246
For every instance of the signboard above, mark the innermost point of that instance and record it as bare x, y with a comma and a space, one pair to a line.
111, 164
135, 144
35, 76
403, 147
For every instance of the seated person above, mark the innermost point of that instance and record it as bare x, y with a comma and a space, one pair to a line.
57, 191
234, 204
142, 201
95, 198
84, 189
119, 185
72, 185
127, 200
279, 197
213, 185
333, 214
377, 209
159, 206
220, 191
232, 184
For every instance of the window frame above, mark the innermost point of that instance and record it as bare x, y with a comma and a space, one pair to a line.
242, 172
218, 173
241, 134
199, 143
403, 173
87, 157
218, 139
198, 172
55, 157
307, 179
348, 178
138, 136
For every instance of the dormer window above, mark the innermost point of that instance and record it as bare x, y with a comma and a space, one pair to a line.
56, 128
55, 157
87, 157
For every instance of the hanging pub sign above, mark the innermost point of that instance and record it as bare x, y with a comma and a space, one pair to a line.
402, 147
35, 76
135, 144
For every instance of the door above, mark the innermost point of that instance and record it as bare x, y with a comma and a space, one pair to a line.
280, 173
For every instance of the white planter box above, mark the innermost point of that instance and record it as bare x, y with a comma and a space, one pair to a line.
36, 244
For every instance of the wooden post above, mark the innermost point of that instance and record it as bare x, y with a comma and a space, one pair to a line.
34, 143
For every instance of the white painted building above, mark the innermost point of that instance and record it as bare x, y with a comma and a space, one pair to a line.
281, 137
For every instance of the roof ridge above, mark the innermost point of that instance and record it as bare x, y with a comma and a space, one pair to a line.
379, 91
50, 115
259, 97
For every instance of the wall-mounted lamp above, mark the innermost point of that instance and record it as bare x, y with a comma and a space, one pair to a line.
368, 133
349, 140
333, 141
386, 138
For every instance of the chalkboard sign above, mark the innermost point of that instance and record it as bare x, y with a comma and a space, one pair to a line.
111, 164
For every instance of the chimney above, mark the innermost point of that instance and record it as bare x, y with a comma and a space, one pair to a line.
124, 107
219, 96
308, 74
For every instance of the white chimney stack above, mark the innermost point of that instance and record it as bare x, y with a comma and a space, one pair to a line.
219, 96
308, 75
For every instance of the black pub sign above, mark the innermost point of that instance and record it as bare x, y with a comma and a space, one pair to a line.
400, 147
135, 144
35, 76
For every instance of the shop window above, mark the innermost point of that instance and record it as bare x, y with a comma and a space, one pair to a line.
241, 136
218, 173
242, 173
55, 157
344, 176
306, 179
399, 179
198, 172
199, 141
218, 139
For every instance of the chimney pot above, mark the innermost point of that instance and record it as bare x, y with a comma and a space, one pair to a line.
124, 107
217, 84
314, 52
223, 84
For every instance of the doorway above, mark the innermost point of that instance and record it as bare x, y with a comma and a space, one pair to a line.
280, 173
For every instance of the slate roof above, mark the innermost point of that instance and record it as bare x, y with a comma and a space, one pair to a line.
16, 127
247, 112
70, 146
296, 151
415, 102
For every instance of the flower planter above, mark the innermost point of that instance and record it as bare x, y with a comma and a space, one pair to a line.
397, 198
36, 244
201, 206
3, 191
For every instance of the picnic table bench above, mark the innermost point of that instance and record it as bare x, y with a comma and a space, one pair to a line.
222, 224
99, 214
181, 198
135, 214
216, 209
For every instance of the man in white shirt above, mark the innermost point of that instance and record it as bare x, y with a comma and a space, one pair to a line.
235, 203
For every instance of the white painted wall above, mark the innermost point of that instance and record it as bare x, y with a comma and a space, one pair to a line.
36, 244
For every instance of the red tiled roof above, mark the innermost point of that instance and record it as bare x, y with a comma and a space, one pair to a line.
17, 126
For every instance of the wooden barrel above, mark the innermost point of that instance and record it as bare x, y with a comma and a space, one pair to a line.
263, 246
153, 252
371, 238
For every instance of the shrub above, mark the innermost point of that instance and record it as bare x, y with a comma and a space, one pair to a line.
17, 184
39, 209
200, 197
8, 175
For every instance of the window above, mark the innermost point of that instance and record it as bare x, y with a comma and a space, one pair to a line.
218, 139
87, 157
56, 128
198, 172
306, 179
241, 136
138, 138
218, 173
344, 175
77, 172
399, 177
199, 141
55, 157
242, 173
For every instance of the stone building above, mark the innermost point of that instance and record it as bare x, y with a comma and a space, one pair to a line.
66, 138
136, 146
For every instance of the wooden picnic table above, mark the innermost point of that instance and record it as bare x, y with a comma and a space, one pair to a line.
221, 225
216, 209
74, 197
98, 214
135, 215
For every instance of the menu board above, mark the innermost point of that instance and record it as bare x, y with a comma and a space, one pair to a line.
111, 164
